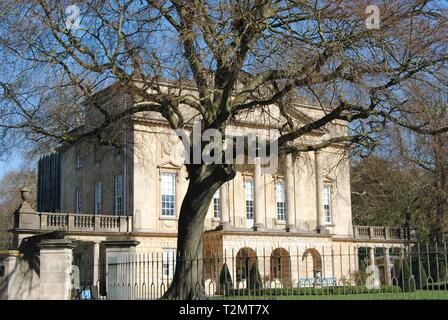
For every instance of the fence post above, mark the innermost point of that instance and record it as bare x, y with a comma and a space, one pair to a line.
56, 257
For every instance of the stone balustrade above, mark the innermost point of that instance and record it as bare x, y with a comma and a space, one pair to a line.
383, 233
26, 218
84, 222
78, 222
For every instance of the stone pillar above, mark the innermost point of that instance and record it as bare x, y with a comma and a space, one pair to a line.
321, 228
56, 257
115, 249
387, 267
371, 256
258, 192
225, 209
96, 263
18, 279
289, 185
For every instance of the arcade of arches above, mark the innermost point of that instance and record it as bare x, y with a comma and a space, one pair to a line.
287, 267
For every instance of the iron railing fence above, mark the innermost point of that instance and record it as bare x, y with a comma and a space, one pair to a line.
417, 272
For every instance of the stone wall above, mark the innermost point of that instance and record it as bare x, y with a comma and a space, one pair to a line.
18, 280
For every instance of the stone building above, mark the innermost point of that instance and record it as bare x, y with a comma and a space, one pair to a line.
301, 210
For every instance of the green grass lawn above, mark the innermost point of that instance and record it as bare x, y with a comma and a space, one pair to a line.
417, 295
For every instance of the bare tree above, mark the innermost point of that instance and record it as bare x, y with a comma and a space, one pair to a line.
429, 153
239, 56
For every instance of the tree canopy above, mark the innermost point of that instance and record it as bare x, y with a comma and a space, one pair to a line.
237, 56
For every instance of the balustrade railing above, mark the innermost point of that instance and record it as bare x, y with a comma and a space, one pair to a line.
383, 233
84, 222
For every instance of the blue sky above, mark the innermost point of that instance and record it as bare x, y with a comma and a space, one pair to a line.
11, 162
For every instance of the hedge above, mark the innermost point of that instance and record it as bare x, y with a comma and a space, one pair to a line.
313, 291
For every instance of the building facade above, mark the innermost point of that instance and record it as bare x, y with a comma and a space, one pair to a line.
301, 209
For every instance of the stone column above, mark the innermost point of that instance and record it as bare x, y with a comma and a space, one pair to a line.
258, 192
56, 257
371, 256
289, 185
96, 263
387, 267
225, 209
319, 192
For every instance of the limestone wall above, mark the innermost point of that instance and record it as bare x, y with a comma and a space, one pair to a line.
18, 280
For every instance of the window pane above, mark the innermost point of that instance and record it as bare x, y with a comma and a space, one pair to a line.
280, 190
118, 195
78, 200
168, 182
217, 204
98, 198
249, 199
78, 160
327, 204
168, 262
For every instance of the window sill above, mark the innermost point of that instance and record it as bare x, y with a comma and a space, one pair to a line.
216, 219
280, 222
168, 218
329, 225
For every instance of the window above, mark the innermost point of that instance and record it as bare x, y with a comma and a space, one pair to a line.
327, 204
217, 204
168, 181
78, 160
281, 211
78, 200
168, 262
97, 197
118, 205
249, 186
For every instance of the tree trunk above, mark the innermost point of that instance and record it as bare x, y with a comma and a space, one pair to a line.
204, 181
440, 190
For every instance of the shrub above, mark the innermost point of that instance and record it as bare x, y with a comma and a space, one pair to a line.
225, 280
407, 279
418, 269
442, 269
362, 275
254, 281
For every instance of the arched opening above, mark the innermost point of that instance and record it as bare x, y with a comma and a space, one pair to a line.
281, 267
245, 259
313, 263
